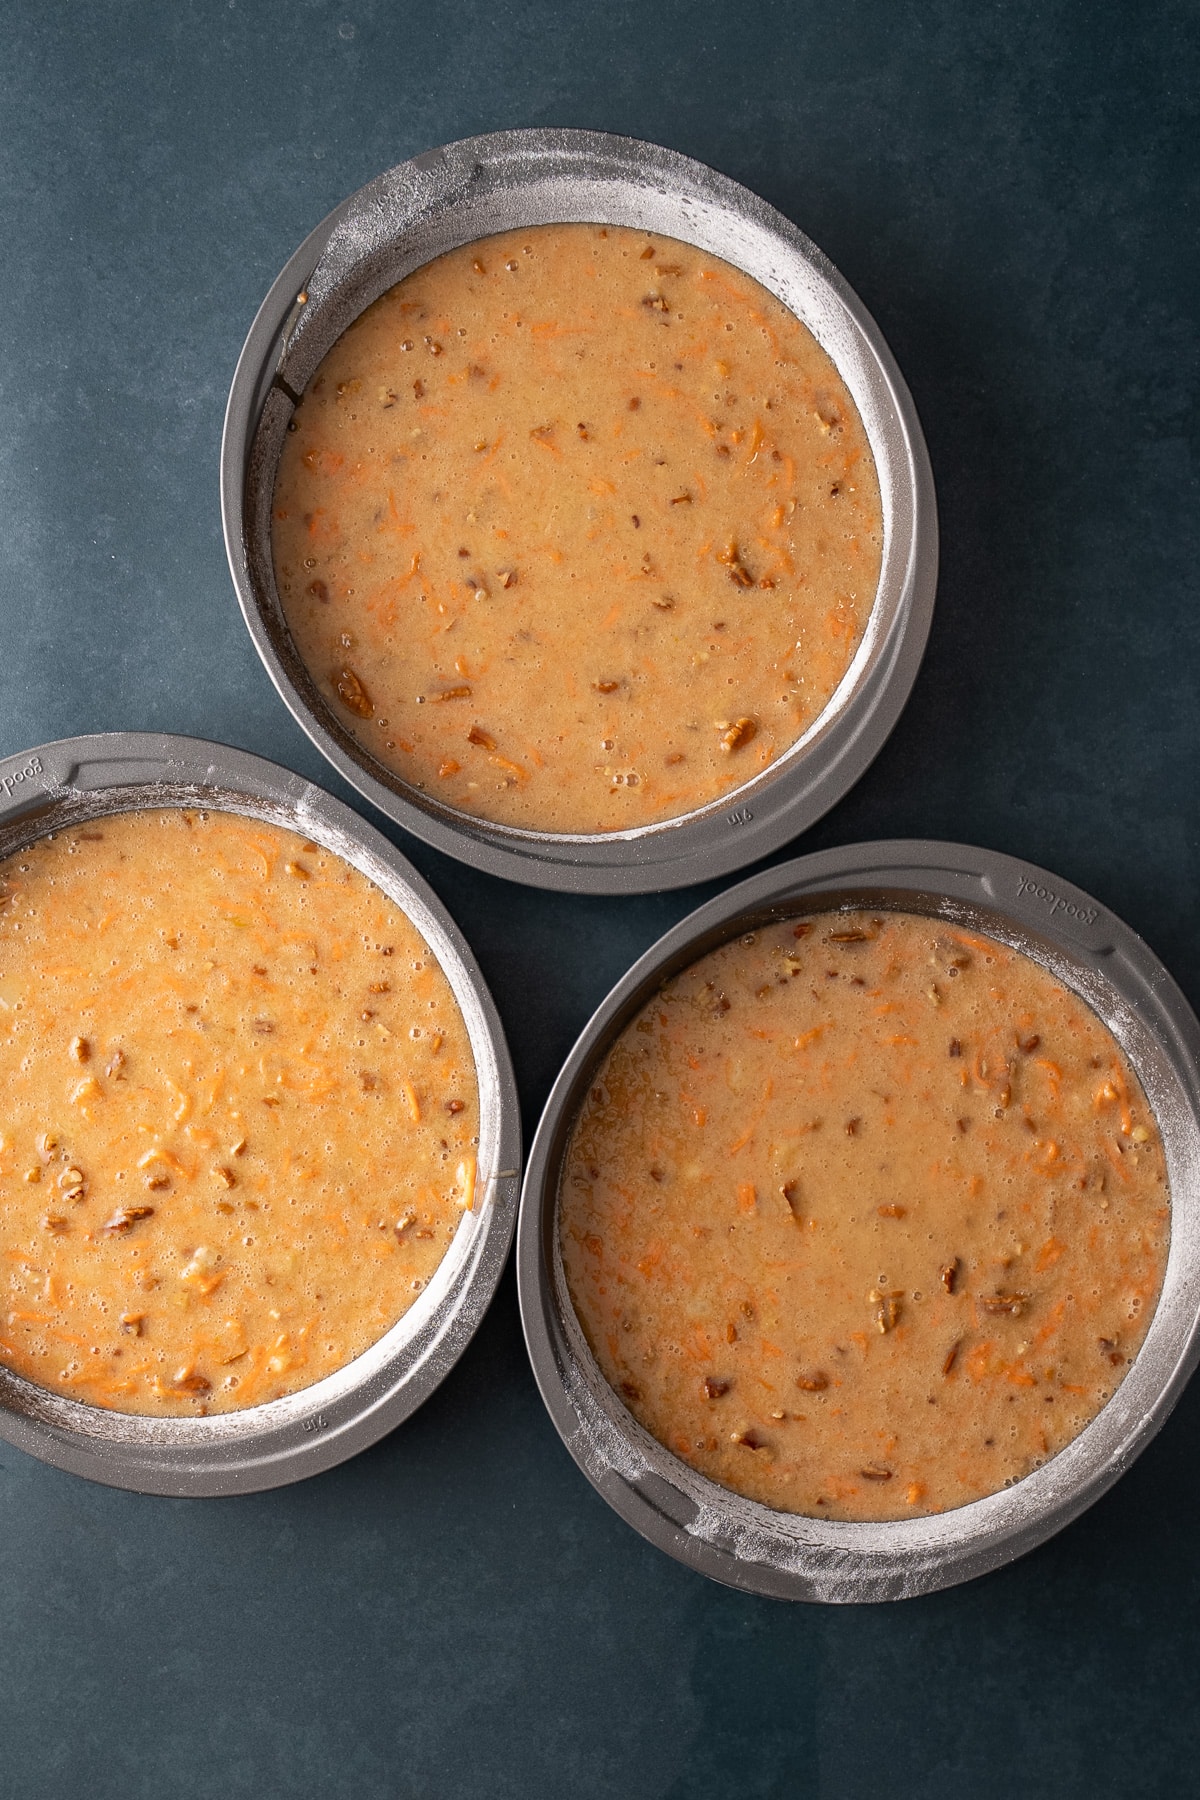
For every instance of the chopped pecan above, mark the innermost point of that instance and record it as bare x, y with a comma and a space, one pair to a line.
1012, 1304
736, 735
731, 556
127, 1216
813, 1381
188, 1382
352, 694
887, 1309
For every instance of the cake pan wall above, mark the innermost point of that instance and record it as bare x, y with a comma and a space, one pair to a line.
64, 784
468, 190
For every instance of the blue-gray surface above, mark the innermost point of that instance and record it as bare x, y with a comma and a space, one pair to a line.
1012, 188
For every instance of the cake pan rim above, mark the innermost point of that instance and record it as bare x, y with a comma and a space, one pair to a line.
751, 821
70, 779
850, 1562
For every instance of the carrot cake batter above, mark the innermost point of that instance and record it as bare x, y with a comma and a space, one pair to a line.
865, 1215
238, 1112
577, 529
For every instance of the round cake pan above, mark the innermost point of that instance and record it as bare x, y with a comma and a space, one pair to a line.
754, 1547
77, 779
464, 192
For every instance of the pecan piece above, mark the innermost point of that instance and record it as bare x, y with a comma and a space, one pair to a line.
189, 1382
352, 694
126, 1217
736, 735
1012, 1304
739, 574
887, 1309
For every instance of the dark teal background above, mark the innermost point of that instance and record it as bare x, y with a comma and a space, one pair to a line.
1012, 188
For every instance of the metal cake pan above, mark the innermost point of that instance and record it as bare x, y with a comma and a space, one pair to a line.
754, 1547
77, 779
482, 185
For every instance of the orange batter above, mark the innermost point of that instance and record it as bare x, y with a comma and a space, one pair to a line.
865, 1216
577, 529
238, 1112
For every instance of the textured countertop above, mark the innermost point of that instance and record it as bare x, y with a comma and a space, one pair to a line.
1012, 189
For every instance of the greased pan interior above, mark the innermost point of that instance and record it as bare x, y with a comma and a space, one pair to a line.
482, 185
66, 783
754, 1547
